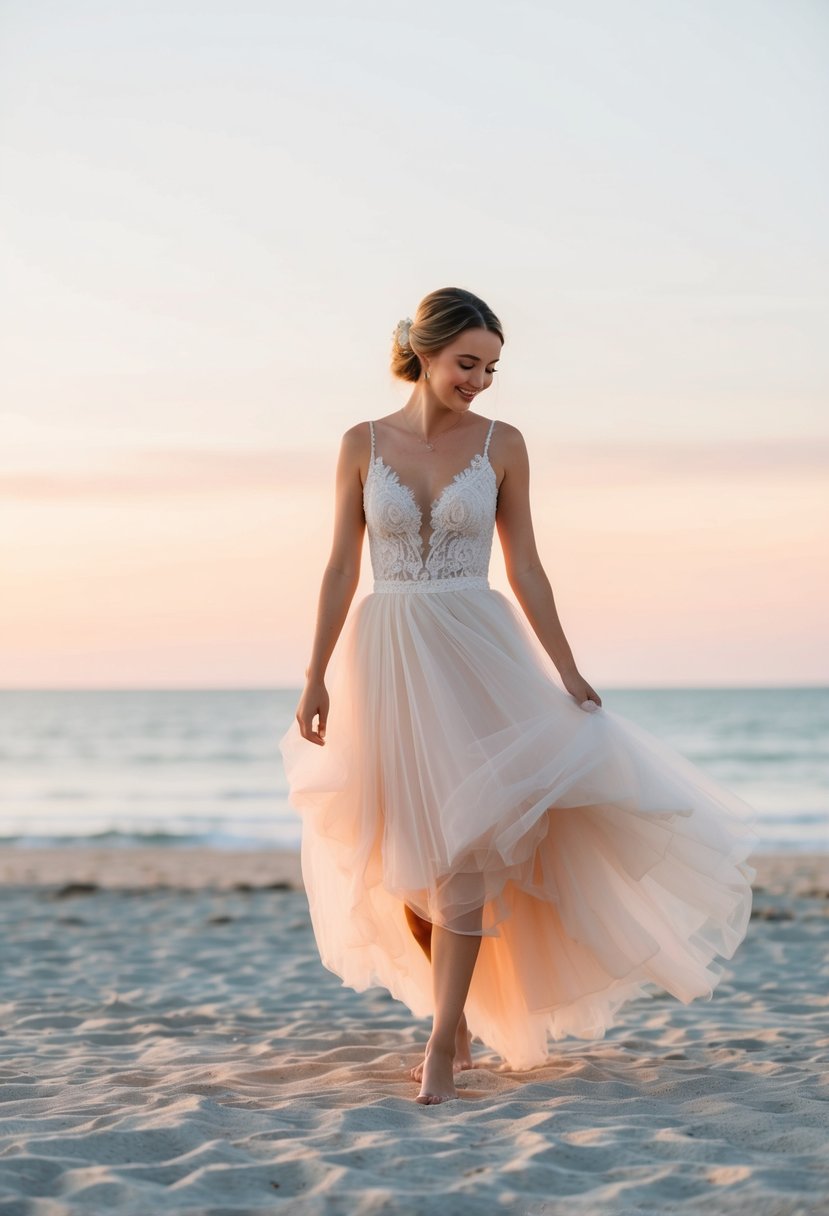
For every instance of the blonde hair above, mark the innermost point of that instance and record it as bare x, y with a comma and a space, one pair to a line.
441, 317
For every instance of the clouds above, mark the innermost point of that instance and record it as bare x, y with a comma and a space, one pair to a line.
171, 472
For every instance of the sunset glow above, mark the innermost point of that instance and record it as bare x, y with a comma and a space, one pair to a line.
206, 252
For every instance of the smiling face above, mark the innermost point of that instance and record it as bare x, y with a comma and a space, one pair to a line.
464, 368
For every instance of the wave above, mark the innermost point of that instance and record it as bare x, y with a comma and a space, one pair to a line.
119, 839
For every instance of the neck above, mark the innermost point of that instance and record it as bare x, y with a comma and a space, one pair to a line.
428, 416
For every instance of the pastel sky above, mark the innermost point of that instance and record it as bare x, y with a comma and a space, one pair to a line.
212, 217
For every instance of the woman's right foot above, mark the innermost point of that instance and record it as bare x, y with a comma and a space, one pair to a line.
463, 1053
438, 1085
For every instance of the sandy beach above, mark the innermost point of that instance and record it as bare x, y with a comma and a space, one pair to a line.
171, 1043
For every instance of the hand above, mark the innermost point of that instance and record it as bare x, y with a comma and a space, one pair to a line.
314, 700
578, 687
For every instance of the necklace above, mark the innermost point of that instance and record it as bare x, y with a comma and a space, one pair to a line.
429, 445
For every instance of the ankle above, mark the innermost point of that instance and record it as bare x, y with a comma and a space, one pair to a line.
441, 1043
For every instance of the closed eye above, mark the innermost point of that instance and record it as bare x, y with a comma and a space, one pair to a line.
490, 371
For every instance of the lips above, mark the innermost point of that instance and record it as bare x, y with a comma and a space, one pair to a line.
466, 396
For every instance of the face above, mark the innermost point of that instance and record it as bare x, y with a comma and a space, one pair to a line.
464, 368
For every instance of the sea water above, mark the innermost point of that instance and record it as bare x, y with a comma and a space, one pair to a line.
203, 767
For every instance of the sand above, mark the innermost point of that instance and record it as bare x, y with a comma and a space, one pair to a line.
169, 1042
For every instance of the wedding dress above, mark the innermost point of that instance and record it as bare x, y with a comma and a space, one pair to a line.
457, 776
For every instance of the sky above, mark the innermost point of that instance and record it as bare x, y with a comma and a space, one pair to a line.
212, 217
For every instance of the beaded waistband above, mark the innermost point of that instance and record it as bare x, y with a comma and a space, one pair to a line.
465, 582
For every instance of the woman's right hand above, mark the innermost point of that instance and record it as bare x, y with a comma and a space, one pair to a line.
314, 700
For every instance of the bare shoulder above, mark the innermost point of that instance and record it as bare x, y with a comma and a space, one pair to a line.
357, 434
508, 434
508, 451
355, 448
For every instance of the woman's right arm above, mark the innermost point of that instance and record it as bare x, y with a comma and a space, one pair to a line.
339, 580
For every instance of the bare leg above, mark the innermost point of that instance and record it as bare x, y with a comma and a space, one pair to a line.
422, 933
453, 962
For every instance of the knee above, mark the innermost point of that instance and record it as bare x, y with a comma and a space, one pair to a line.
422, 929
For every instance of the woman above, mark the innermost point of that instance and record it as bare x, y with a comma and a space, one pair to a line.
547, 857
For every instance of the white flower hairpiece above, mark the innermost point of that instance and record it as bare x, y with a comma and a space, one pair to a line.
401, 332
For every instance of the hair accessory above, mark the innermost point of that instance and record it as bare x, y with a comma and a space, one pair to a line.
401, 333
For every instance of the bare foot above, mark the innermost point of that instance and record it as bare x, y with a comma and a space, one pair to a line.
463, 1052
438, 1085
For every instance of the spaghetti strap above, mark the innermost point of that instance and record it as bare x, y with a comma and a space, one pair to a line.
371, 428
488, 434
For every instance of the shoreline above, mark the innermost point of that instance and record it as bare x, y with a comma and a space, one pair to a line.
202, 868
150, 867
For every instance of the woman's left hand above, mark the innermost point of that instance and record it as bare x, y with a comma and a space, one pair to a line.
578, 687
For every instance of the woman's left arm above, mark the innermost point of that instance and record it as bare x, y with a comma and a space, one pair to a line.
525, 572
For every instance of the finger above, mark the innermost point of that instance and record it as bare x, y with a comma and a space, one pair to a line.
311, 735
306, 729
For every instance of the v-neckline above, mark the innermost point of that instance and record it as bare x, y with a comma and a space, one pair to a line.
477, 461
435, 501
426, 545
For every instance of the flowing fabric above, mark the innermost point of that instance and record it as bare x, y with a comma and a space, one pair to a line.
594, 861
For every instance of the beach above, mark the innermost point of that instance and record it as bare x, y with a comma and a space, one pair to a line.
171, 1043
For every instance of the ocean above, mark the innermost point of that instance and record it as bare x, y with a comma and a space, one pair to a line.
203, 767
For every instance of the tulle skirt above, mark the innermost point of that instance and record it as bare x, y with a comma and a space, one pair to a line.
458, 777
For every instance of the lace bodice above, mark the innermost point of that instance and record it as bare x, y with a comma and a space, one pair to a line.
462, 520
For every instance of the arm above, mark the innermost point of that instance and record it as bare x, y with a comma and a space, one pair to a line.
525, 572
339, 581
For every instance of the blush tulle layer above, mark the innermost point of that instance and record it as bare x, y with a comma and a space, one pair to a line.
593, 860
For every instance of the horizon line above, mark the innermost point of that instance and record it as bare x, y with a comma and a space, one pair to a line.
819, 687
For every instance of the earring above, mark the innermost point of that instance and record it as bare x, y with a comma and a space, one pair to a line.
427, 375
